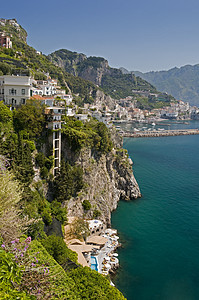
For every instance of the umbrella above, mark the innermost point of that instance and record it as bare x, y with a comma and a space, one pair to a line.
115, 254
107, 258
108, 266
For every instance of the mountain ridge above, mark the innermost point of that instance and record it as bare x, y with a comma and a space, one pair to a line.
181, 82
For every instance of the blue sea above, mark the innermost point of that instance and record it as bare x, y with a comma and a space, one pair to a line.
159, 259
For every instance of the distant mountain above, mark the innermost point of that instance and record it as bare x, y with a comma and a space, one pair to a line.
97, 70
182, 83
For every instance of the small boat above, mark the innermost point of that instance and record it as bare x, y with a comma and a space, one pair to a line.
153, 124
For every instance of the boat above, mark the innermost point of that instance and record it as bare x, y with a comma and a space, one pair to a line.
153, 124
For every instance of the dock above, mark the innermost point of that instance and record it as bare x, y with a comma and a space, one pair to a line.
160, 133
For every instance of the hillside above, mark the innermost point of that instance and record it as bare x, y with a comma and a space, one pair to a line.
23, 59
90, 79
98, 71
182, 82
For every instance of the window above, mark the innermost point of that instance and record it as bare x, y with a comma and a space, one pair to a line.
23, 101
12, 92
23, 91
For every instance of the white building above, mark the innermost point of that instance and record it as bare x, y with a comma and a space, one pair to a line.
14, 90
48, 87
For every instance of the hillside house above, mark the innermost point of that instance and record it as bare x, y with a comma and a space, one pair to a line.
5, 40
14, 90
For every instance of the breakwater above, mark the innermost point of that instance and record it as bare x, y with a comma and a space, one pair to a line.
158, 133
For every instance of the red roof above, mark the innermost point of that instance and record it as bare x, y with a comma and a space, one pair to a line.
37, 97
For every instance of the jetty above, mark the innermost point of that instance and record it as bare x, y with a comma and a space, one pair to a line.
160, 133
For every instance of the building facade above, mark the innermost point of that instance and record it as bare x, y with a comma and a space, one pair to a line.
14, 90
5, 40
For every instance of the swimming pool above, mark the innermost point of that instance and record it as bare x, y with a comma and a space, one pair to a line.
94, 265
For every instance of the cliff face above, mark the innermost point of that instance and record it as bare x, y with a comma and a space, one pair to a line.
108, 178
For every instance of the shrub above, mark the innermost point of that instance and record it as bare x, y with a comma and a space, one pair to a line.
59, 212
86, 205
44, 172
56, 247
96, 213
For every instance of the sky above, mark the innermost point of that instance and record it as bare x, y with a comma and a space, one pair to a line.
141, 35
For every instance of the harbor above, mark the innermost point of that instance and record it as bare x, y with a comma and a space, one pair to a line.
159, 133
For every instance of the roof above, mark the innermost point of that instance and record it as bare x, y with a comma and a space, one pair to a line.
79, 249
37, 97
75, 242
98, 240
80, 257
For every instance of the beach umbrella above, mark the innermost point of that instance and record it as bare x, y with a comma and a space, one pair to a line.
108, 266
115, 254
107, 258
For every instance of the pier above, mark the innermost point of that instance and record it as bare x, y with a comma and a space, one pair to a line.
160, 133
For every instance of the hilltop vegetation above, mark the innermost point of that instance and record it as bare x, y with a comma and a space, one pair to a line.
23, 59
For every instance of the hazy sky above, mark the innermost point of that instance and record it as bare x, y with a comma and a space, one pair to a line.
142, 35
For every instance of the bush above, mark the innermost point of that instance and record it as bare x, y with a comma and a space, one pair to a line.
86, 205
56, 247
96, 213
44, 172
46, 215
59, 212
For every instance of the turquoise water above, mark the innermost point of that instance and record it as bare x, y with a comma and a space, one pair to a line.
94, 263
160, 231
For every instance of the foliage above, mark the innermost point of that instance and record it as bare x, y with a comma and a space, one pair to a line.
86, 205
79, 229
5, 114
59, 212
56, 247
30, 117
68, 182
121, 85
91, 133
92, 285
96, 213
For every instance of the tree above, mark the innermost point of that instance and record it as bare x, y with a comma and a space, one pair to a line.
79, 229
30, 117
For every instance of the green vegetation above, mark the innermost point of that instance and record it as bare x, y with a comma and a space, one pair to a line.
121, 85
57, 248
68, 182
93, 134
30, 270
86, 205
24, 60
99, 286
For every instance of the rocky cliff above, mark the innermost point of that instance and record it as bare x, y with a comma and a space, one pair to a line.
108, 178
98, 71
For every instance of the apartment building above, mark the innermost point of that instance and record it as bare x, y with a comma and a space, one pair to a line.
14, 90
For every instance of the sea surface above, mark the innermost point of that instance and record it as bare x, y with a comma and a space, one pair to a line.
160, 231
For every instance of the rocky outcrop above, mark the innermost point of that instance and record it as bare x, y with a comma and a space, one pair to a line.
108, 178
101, 100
